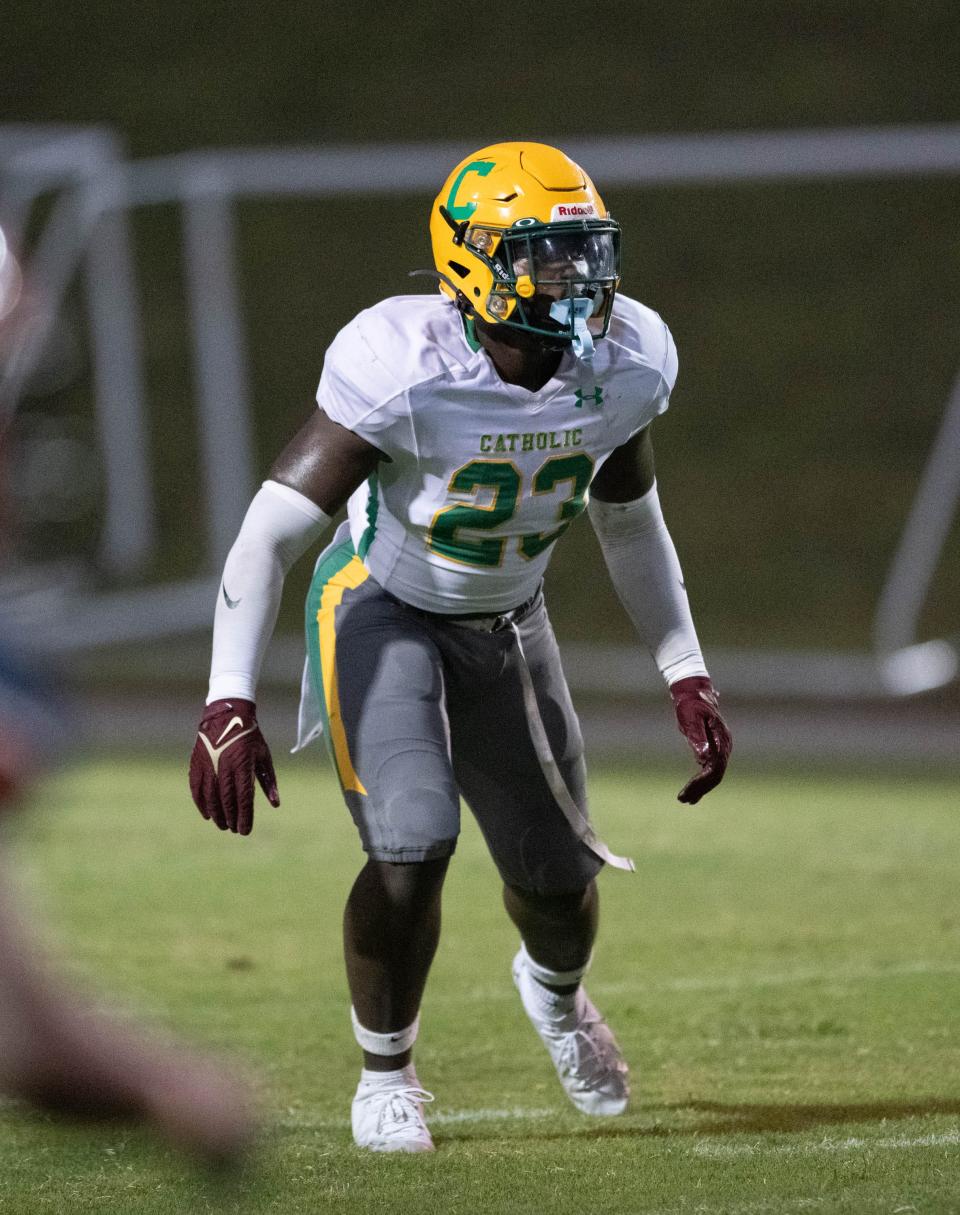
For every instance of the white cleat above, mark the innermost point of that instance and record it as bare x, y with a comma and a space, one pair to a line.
582, 1047
390, 1119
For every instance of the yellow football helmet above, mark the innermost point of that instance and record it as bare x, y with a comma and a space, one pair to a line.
522, 238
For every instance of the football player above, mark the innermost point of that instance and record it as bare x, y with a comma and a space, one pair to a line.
465, 431
58, 1051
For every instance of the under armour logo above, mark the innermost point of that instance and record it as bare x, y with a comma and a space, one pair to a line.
596, 397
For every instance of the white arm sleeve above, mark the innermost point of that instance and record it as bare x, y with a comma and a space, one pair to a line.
645, 571
280, 525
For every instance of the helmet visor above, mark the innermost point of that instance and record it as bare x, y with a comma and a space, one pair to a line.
564, 257
585, 258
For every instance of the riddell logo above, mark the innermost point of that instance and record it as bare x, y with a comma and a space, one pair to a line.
574, 211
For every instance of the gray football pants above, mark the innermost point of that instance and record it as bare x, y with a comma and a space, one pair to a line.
420, 709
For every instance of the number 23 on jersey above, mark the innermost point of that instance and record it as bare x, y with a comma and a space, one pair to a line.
504, 482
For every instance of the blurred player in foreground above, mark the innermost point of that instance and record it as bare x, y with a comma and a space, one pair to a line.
465, 431
57, 1050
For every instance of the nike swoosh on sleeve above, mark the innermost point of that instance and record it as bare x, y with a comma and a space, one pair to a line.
231, 603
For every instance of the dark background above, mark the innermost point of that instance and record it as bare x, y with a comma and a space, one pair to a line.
817, 323
183, 75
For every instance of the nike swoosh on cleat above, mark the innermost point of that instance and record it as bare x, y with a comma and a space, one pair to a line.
231, 603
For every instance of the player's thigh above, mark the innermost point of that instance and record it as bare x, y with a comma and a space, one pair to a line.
381, 681
501, 776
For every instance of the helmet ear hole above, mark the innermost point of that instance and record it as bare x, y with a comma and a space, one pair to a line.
459, 269
476, 291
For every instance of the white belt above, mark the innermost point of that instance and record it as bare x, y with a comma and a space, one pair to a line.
554, 777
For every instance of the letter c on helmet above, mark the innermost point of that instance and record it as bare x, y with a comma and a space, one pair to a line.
465, 210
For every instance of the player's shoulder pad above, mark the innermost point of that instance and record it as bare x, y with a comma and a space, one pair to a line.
639, 335
401, 342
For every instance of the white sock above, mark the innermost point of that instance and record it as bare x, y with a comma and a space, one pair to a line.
560, 1009
403, 1077
552, 1005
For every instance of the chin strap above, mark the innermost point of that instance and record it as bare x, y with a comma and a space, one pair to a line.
459, 298
578, 311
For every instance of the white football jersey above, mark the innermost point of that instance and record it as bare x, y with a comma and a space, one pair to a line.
481, 477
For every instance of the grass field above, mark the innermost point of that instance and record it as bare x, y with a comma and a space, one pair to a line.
783, 972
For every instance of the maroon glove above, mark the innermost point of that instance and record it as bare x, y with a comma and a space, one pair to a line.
228, 753
698, 716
